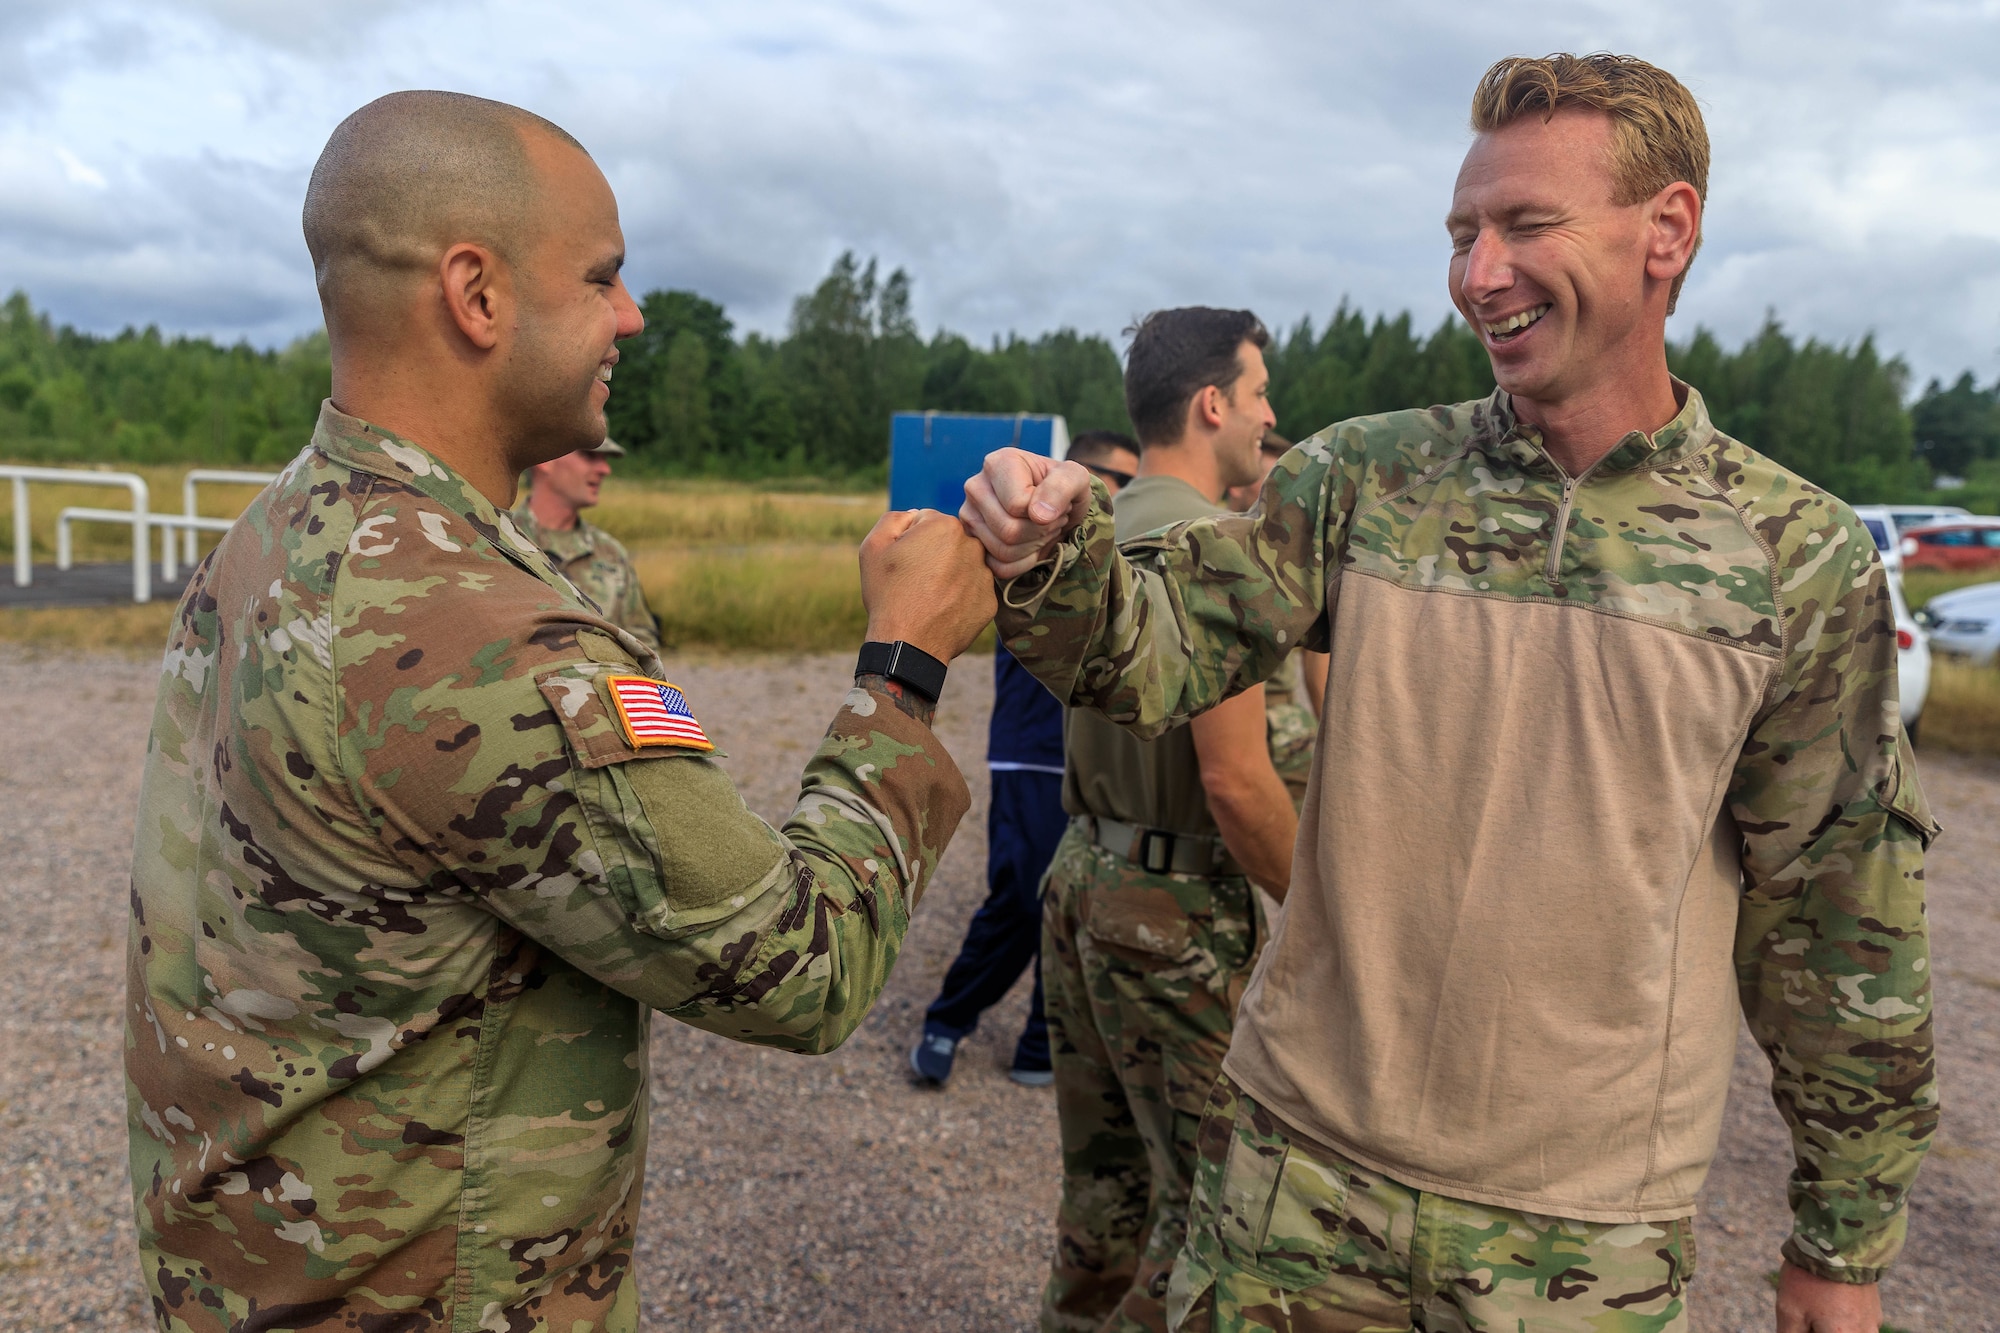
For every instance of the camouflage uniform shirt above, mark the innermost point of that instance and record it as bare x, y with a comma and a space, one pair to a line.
600, 567
1607, 758
404, 892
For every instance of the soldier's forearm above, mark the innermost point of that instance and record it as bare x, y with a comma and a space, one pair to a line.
1259, 828
911, 703
878, 803
1833, 961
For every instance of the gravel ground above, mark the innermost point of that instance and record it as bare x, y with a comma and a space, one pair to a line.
823, 1194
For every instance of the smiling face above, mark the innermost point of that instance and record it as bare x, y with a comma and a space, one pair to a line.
1245, 409
573, 307
1567, 289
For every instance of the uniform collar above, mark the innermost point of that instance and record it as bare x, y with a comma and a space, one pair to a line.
1687, 434
369, 448
582, 537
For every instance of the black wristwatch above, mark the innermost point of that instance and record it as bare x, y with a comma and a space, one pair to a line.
903, 662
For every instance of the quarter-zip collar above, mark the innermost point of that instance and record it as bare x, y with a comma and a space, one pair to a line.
1686, 435
366, 447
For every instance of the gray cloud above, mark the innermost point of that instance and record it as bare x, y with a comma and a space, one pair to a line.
1032, 163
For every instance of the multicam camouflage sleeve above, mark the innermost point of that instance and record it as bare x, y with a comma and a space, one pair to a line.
1179, 620
689, 902
624, 602
1833, 954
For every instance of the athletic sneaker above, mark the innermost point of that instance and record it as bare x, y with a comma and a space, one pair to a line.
931, 1057
1032, 1078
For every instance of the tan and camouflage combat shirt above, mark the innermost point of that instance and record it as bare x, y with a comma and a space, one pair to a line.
600, 567
1605, 761
404, 893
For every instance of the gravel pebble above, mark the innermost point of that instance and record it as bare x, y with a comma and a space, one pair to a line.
827, 1193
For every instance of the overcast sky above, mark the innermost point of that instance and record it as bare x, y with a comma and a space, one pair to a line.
1032, 163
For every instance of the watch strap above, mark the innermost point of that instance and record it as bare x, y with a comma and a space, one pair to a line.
903, 662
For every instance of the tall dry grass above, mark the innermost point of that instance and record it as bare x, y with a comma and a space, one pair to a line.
726, 568
1920, 585
127, 630
784, 599
1962, 712
646, 514
106, 541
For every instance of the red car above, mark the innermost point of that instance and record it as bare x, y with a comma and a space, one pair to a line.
1953, 545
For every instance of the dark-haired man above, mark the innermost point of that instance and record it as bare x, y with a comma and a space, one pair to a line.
1614, 756
424, 837
1024, 821
1150, 924
551, 516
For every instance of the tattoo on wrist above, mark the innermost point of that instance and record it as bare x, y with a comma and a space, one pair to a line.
907, 699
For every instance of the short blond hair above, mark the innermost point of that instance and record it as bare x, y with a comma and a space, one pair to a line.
1657, 133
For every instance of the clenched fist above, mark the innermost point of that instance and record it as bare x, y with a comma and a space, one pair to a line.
924, 581
1020, 505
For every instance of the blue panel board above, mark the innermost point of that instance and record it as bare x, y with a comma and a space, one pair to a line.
932, 453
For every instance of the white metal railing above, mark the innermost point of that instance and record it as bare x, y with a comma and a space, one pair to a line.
166, 523
142, 582
220, 477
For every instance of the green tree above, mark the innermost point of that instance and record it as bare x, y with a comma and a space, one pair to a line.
1957, 428
1832, 414
1354, 368
684, 432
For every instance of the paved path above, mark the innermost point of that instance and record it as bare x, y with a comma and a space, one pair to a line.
83, 585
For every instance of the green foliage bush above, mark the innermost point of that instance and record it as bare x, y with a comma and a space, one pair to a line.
143, 398
692, 399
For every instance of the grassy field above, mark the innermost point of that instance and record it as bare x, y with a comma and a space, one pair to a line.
107, 541
1963, 710
734, 569
1920, 585
726, 568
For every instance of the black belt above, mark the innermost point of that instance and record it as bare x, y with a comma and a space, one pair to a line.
1159, 852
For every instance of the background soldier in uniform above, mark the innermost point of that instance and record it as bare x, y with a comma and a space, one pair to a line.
423, 836
1150, 924
1623, 693
1024, 822
551, 516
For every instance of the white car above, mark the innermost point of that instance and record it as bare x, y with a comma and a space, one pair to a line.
1906, 517
1913, 650
1880, 520
1913, 660
1966, 622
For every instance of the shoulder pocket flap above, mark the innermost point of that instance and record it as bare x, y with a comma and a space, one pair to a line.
1903, 796
1146, 920
580, 695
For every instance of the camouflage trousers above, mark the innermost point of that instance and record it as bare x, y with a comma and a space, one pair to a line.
1141, 974
1286, 1238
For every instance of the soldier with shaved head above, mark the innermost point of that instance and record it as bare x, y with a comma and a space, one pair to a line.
424, 836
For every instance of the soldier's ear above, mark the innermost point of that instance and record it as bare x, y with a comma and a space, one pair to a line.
474, 288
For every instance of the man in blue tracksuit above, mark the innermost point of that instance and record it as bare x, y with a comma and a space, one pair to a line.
1024, 822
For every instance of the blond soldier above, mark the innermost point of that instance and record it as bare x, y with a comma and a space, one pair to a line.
1612, 757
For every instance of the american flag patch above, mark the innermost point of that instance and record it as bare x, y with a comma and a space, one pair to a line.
656, 713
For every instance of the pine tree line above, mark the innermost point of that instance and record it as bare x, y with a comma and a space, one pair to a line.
691, 397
